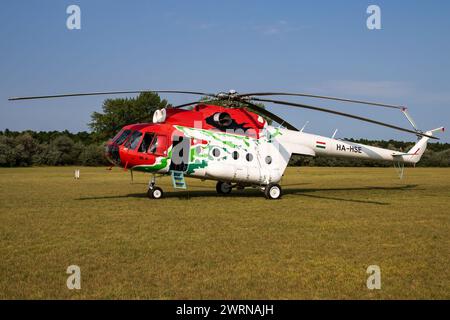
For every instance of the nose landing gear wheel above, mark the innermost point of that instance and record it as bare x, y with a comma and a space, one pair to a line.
223, 187
272, 191
155, 193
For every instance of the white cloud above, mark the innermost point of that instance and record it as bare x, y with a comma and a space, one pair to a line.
206, 26
276, 28
271, 31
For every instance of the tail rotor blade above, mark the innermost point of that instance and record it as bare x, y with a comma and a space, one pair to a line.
410, 119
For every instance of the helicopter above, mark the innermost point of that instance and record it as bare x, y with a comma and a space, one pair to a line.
234, 144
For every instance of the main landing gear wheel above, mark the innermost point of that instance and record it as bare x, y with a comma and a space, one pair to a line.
272, 191
223, 187
155, 193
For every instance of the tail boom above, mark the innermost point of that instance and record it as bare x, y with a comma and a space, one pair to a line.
323, 146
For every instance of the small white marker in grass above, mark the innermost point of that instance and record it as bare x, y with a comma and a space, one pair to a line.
374, 279
74, 279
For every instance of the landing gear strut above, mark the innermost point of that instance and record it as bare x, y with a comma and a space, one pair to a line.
154, 192
223, 187
272, 191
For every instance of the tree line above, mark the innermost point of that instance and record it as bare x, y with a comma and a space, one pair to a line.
29, 148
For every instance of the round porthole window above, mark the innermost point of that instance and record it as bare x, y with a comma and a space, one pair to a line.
235, 155
216, 152
249, 157
268, 159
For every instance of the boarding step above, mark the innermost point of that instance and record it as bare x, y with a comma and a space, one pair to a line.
178, 179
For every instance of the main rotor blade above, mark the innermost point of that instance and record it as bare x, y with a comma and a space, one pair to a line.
190, 104
108, 93
270, 115
305, 106
321, 97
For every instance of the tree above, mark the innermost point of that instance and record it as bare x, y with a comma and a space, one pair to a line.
62, 151
120, 112
92, 155
25, 148
7, 151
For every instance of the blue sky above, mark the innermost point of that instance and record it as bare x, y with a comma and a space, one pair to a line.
320, 46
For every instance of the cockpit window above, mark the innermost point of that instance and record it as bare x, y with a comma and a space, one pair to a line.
146, 142
117, 135
133, 142
121, 137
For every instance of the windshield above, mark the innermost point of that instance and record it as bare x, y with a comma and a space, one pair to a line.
121, 137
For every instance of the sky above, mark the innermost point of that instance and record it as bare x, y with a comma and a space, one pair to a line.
318, 47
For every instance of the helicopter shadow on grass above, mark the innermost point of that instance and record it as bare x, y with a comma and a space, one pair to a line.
302, 192
307, 193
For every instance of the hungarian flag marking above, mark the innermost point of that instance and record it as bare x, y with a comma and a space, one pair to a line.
321, 144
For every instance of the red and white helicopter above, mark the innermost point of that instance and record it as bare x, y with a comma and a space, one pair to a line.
235, 145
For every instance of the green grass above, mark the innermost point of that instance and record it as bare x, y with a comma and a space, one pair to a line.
315, 243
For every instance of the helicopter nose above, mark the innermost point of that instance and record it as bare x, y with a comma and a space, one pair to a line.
112, 153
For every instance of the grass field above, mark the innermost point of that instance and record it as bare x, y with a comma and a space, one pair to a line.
315, 243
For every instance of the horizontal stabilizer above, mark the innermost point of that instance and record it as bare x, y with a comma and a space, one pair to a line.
404, 154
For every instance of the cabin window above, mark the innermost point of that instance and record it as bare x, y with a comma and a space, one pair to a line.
216, 152
249, 157
133, 142
146, 142
153, 146
235, 155
268, 159
121, 137
157, 145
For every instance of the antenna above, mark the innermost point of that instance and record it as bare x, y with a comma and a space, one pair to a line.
334, 134
281, 125
304, 126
